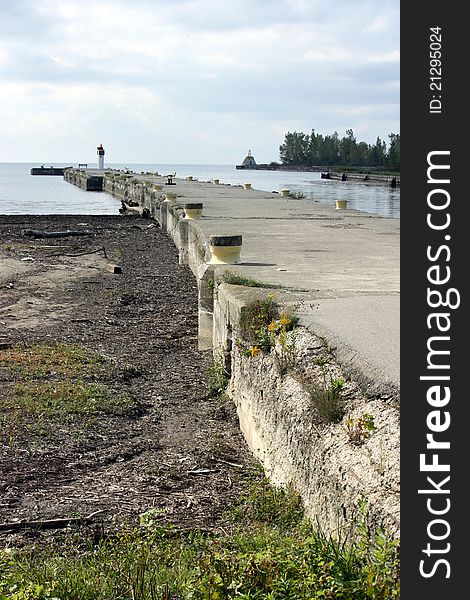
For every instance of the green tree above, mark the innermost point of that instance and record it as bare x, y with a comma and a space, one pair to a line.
378, 153
363, 154
294, 150
329, 150
348, 148
314, 149
393, 157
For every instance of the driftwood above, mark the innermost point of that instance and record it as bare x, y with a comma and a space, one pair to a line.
202, 471
53, 234
48, 524
226, 462
134, 209
103, 250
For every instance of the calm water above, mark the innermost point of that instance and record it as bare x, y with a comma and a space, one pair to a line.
23, 193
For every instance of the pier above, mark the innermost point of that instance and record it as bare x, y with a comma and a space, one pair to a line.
47, 171
338, 270
391, 180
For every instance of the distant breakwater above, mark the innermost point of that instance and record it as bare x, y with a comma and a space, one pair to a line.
278, 167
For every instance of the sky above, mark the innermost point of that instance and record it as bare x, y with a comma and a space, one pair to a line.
192, 81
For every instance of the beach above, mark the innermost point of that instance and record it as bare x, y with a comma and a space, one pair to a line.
169, 446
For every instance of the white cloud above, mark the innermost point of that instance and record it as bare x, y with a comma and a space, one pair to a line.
189, 75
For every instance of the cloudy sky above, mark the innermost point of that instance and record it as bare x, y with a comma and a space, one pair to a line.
192, 81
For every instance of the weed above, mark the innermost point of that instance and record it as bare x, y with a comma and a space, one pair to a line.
263, 327
285, 349
41, 360
255, 319
378, 553
327, 400
61, 398
116, 253
113, 293
260, 559
360, 429
265, 504
217, 379
236, 279
210, 283
321, 361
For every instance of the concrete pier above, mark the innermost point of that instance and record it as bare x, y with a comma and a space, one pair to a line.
340, 270
47, 171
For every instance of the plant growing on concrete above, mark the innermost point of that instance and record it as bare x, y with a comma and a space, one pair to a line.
263, 327
255, 320
236, 279
327, 399
360, 428
285, 349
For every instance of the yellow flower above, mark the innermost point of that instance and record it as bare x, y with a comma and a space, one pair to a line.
273, 326
254, 350
284, 320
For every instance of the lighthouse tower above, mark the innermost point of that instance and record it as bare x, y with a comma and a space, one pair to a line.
100, 152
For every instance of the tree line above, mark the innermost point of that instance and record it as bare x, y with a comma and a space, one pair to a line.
330, 150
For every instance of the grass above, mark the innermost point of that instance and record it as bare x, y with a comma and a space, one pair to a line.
62, 398
217, 379
236, 279
271, 553
44, 359
265, 504
52, 381
268, 551
326, 400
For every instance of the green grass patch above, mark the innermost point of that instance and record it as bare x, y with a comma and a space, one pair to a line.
327, 399
236, 279
217, 379
62, 398
258, 560
55, 380
43, 359
265, 504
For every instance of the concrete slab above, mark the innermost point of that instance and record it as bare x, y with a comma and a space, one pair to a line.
345, 261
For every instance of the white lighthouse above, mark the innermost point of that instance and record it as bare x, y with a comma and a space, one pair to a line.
100, 152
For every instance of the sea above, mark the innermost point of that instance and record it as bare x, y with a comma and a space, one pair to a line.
22, 193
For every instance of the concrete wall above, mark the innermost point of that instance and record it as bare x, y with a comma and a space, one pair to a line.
277, 414
282, 426
84, 180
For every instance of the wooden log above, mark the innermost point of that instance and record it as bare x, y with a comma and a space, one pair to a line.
47, 524
53, 234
